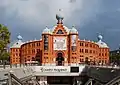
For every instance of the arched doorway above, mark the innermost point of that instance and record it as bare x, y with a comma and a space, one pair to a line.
38, 56
87, 60
60, 59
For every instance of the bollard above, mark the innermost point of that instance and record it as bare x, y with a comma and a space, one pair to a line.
20, 64
10, 66
4, 65
16, 65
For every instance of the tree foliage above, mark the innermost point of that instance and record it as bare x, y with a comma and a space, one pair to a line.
115, 59
4, 41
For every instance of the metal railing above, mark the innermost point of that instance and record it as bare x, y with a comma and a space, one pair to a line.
114, 81
105, 66
14, 80
4, 82
15, 66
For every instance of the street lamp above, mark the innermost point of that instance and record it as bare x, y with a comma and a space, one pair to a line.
118, 57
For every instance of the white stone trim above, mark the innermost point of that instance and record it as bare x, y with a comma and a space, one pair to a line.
74, 64
65, 59
48, 64
66, 64
54, 59
53, 64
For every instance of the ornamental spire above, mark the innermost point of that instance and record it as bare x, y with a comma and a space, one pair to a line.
19, 37
100, 37
59, 17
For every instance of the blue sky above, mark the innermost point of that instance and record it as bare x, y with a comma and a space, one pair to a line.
30, 17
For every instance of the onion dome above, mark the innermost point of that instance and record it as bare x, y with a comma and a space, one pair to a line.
19, 37
100, 37
17, 43
101, 43
59, 17
46, 30
73, 30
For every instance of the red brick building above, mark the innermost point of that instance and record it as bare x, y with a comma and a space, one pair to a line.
59, 46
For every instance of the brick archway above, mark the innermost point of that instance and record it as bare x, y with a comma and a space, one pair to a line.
60, 59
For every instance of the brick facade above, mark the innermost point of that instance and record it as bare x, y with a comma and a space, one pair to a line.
36, 49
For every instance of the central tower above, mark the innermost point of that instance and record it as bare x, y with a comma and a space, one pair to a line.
57, 43
60, 39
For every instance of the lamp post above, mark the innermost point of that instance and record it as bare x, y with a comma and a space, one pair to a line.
10, 65
118, 57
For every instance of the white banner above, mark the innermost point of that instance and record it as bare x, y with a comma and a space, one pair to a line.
52, 69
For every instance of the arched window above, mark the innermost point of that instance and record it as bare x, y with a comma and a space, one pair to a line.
45, 42
59, 31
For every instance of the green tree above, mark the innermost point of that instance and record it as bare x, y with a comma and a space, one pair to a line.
4, 41
115, 58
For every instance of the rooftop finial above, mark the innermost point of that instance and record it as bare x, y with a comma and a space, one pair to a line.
59, 9
73, 26
59, 17
119, 46
19, 37
100, 37
46, 27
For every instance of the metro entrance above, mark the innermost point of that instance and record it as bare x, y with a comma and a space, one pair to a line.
57, 80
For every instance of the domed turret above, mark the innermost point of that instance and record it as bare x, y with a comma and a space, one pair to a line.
59, 17
46, 30
101, 43
73, 30
17, 43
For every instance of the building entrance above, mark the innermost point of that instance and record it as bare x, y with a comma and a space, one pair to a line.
58, 80
60, 59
